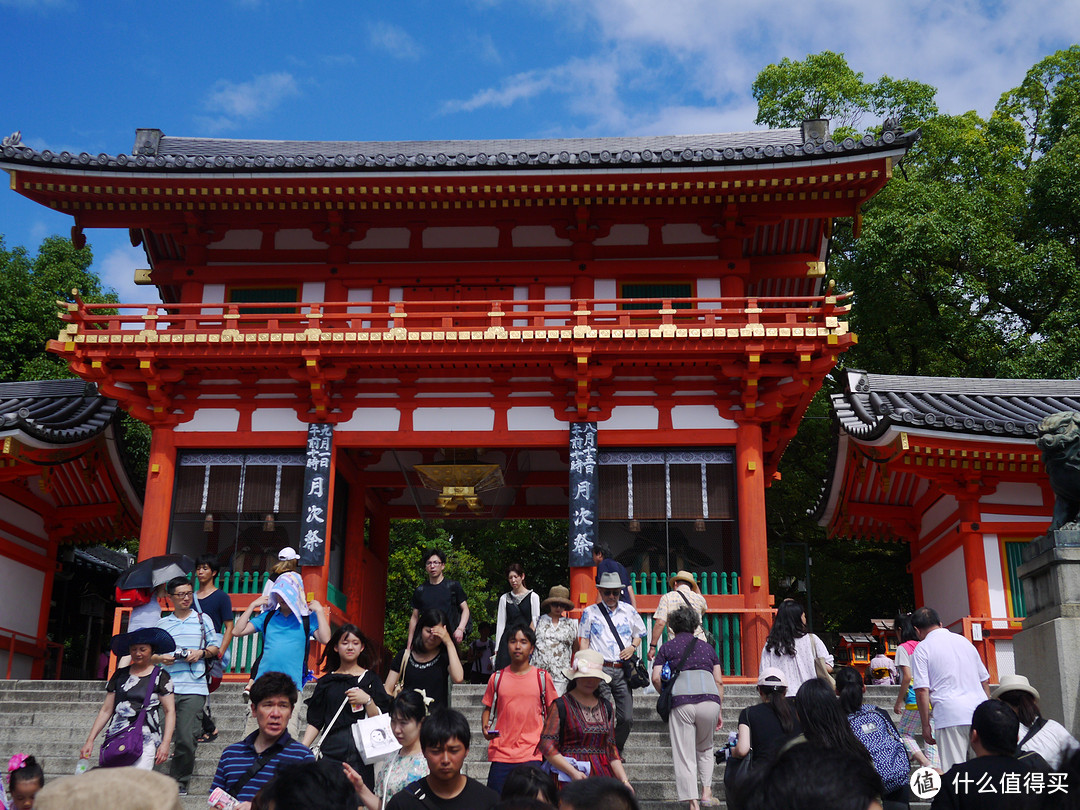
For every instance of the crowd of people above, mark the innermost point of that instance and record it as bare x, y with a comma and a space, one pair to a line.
557, 707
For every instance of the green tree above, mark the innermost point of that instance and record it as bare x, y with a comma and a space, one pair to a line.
968, 264
478, 553
29, 290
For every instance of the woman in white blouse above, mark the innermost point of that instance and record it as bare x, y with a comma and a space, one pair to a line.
518, 606
1047, 738
791, 648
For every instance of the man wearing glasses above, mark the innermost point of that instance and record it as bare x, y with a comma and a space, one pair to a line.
194, 633
594, 632
442, 594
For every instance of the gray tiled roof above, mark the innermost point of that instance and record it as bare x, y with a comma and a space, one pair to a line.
55, 411
873, 403
154, 151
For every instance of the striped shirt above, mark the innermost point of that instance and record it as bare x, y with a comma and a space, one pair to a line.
238, 758
194, 632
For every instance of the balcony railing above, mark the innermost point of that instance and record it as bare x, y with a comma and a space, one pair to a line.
385, 320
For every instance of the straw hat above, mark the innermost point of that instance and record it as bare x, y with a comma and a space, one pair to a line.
587, 664
558, 595
772, 676
159, 640
1014, 683
110, 789
683, 576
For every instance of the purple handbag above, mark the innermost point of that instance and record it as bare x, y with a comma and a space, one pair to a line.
126, 747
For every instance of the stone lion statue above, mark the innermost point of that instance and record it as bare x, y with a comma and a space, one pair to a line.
1059, 440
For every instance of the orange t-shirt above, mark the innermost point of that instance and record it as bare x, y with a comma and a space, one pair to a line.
519, 713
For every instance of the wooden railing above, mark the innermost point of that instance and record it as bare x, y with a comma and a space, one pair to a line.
233, 319
14, 642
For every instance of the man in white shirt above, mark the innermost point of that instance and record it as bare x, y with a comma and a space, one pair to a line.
947, 672
594, 631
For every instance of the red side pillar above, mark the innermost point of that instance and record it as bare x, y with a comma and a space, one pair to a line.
753, 552
354, 560
974, 557
157, 505
374, 597
582, 587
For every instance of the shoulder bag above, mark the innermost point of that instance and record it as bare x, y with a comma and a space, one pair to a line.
637, 675
126, 747
316, 749
821, 666
400, 685
663, 702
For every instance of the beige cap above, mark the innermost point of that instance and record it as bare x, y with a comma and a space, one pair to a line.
772, 676
110, 789
587, 664
1014, 683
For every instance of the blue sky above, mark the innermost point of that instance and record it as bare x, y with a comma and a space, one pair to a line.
83, 75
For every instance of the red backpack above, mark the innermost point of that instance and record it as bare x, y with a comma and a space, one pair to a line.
133, 597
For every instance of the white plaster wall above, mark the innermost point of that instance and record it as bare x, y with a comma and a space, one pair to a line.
945, 587
453, 419
383, 239
266, 419
698, 417
213, 293
605, 288
626, 235
373, 420
685, 234
208, 420
942, 508
19, 516
1015, 493
995, 578
360, 295
632, 417
297, 239
239, 240
709, 288
526, 418
461, 237
1006, 657
313, 291
20, 607
537, 236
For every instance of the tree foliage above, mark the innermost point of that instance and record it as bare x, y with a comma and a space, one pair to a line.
824, 86
478, 553
30, 286
967, 265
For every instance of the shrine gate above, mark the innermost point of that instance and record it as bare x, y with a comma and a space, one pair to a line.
447, 315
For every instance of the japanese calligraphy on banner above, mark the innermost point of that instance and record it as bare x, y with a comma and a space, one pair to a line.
314, 525
584, 478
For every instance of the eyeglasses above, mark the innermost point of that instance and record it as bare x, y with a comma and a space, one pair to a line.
182, 594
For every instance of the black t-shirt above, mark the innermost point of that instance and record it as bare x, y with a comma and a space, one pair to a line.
447, 596
432, 676
218, 607
766, 733
475, 796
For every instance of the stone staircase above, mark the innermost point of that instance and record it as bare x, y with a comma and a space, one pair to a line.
50, 719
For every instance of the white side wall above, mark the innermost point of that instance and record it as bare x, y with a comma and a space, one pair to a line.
995, 578
944, 587
21, 585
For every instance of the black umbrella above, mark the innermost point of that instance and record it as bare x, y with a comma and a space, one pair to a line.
154, 571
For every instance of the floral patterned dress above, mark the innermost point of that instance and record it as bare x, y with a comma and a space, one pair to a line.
553, 646
130, 692
399, 772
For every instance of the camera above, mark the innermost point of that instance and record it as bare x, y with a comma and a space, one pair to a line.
181, 652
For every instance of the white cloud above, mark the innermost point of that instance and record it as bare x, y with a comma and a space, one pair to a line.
393, 39
117, 266
232, 103
692, 62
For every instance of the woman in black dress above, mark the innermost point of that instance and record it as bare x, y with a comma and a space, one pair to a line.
345, 661
429, 664
519, 605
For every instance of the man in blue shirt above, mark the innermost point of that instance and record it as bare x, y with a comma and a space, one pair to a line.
594, 632
246, 766
193, 632
285, 643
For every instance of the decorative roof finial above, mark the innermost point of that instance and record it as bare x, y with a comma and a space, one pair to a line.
14, 139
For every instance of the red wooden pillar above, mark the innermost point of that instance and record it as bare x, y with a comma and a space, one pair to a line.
373, 601
355, 555
753, 551
971, 539
157, 505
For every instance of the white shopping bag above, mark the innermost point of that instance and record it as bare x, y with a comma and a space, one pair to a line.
374, 739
